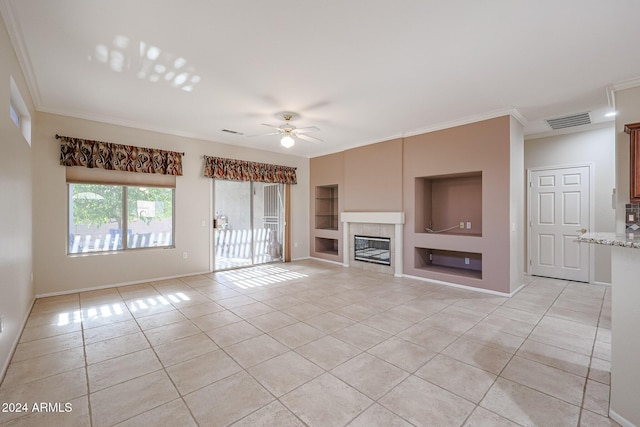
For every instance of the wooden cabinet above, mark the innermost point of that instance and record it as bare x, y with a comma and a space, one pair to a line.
633, 130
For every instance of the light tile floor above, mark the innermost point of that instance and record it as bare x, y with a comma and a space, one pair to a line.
311, 343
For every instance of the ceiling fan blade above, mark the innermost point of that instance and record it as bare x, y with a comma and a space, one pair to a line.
264, 134
308, 138
307, 129
271, 126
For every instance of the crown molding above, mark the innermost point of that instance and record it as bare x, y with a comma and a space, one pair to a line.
109, 120
19, 46
576, 129
623, 85
513, 112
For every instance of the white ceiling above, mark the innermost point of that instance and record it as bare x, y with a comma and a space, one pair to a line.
362, 71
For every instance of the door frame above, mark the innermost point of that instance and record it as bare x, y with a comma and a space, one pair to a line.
592, 205
286, 250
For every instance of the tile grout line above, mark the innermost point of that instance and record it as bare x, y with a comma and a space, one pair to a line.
162, 369
86, 362
584, 390
334, 292
513, 355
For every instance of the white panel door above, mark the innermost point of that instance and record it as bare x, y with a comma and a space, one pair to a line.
559, 210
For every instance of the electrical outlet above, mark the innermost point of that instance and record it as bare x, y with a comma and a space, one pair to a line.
466, 261
631, 218
461, 224
1, 323
468, 225
430, 257
185, 255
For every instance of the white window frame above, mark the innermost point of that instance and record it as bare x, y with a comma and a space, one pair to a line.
125, 220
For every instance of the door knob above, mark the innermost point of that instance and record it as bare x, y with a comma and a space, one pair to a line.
582, 230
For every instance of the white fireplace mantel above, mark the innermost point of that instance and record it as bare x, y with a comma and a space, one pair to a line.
395, 218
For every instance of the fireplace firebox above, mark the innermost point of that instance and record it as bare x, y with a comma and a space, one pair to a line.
372, 249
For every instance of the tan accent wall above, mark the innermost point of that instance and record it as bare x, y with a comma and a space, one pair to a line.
485, 162
482, 146
376, 166
326, 170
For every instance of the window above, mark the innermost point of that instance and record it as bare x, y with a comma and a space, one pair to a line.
18, 111
99, 213
15, 117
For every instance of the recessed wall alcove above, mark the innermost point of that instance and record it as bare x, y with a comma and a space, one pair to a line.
445, 202
457, 263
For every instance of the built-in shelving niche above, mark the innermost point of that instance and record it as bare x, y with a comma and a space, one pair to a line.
327, 207
465, 264
327, 246
445, 201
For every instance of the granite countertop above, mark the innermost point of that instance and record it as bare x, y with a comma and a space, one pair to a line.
628, 240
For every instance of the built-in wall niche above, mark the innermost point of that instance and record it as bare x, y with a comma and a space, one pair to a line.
466, 264
327, 246
327, 207
449, 204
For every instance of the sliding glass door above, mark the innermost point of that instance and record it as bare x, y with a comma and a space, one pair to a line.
249, 223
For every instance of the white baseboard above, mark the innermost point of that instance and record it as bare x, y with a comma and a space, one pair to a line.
620, 420
601, 283
5, 365
470, 288
116, 285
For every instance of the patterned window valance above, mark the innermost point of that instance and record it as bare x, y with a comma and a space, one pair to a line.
105, 155
242, 170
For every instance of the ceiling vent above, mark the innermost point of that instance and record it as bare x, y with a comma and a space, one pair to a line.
569, 121
232, 131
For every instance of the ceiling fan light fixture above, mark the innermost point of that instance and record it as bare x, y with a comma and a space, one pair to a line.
287, 141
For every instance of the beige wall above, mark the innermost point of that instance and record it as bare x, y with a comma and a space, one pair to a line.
55, 272
625, 372
625, 342
596, 147
16, 260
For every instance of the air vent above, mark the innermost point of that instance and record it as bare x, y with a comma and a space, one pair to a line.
569, 121
232, 131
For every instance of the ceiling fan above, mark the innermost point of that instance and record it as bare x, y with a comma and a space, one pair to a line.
289, 132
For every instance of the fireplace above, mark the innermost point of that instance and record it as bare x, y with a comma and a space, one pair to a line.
386, 225
372, 249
